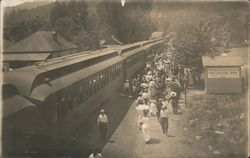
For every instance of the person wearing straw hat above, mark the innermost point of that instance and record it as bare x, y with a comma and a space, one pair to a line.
102, 123
174, 101
126, 87
164, 120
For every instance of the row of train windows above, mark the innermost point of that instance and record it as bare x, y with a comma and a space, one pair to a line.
87, 88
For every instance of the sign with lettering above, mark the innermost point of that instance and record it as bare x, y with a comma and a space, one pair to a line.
223, 72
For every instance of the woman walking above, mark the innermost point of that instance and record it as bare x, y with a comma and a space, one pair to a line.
164, 120
174, 102
145, 127
152, 107
139, 109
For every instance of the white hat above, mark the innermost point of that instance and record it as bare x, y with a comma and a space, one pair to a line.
152, 83
102, 110
169, 79
173, 94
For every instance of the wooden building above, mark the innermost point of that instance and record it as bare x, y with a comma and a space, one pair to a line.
39, 46
223, 74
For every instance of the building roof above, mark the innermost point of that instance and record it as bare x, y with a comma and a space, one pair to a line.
25, 56
156, 35
222, 61
41, 41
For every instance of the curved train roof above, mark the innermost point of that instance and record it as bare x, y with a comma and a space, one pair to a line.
41, 92
23, 78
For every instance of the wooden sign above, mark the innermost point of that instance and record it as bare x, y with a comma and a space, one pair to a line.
223, 72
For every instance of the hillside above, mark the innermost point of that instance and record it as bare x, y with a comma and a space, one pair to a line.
23, 20
27, 6
28, 14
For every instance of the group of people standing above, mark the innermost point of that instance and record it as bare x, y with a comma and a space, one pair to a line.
155, 89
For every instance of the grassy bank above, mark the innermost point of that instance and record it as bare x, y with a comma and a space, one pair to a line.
219, 122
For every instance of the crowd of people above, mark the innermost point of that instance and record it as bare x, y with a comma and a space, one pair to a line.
155, 89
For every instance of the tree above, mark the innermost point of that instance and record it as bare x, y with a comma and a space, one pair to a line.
64, 27
129, 23
69, 19
193, 40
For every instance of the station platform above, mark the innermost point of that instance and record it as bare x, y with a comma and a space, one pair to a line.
127, 141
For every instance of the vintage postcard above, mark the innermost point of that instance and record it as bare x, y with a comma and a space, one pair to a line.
124, 78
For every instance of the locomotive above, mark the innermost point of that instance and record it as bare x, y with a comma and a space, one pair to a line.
46, 102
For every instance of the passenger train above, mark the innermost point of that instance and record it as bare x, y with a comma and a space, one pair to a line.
47, 102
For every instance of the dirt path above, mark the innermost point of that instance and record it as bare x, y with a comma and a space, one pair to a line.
127, 141
211, 126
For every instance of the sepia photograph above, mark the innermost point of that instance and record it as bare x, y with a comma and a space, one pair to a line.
124, 78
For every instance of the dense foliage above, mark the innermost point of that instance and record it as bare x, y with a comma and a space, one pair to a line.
85, 23
194, 40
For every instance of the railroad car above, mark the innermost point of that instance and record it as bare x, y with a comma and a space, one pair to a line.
65, 91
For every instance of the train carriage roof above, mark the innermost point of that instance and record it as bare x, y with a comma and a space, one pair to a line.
41, 92
23, 78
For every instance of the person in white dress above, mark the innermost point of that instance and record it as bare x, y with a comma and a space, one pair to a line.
152, 89
139, 109
153, 109
146, 127
145, 97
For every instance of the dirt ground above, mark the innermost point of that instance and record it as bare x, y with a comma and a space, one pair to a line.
219, 121
209, 126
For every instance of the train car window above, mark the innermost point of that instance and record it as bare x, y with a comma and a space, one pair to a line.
110, 74
63, 106
93, 87
75, 102
107, 76
90, 88
85, 92
80, 95
69, 99
102, 80
58, 107
99, 82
